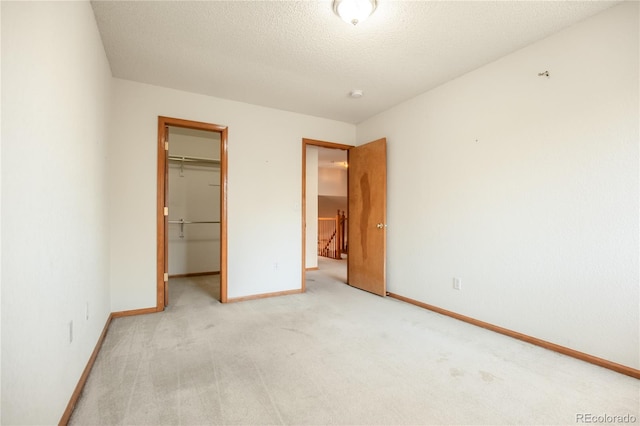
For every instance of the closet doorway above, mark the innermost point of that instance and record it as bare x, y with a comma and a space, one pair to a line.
192, 184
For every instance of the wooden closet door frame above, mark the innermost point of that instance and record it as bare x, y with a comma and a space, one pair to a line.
162, 244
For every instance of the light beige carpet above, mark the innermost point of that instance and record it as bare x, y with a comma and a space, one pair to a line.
332, 356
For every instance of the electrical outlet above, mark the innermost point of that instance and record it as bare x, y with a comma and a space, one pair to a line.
71, 331
457, 284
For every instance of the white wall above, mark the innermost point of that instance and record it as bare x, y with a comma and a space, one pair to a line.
194, 195
311, 212
264, 211
332, 191
526, 188
56, 88
332, 182
0, 216
329, 206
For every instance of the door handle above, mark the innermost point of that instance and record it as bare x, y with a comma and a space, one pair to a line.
381, 225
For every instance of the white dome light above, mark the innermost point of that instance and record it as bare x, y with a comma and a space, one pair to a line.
354, 11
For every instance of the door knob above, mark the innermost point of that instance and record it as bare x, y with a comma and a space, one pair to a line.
380, 225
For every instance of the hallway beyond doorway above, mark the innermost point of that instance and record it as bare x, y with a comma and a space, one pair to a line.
333, 268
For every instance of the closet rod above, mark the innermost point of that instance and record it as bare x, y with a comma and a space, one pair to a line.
190, 221
187, 158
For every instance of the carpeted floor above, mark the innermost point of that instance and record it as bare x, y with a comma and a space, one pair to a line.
332, 356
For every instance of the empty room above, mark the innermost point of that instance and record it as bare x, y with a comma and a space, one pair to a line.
167, 170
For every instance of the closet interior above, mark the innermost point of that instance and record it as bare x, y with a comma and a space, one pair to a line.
194, 204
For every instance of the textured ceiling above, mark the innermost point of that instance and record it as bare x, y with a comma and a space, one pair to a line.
298, 56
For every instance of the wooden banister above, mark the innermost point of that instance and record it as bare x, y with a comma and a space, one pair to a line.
332, 236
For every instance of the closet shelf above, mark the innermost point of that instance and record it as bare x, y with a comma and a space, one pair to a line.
183, 222
187, 222
190, 159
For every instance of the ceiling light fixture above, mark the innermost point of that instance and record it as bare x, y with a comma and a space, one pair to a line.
354, 11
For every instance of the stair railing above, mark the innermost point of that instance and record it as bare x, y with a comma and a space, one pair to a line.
332, 234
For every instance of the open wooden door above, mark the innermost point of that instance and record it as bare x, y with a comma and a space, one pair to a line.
368, 216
